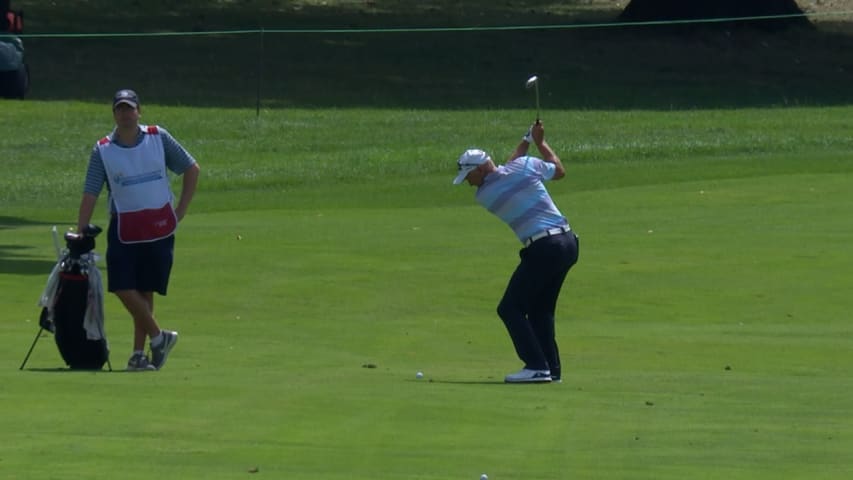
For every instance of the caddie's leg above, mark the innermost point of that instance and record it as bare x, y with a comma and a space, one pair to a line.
139, 307
139, 336
139, 333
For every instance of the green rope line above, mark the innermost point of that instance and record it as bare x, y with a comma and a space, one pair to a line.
431, 29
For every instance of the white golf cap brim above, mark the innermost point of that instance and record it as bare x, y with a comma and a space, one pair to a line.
462, 174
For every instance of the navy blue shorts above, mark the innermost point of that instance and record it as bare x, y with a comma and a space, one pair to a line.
138, 266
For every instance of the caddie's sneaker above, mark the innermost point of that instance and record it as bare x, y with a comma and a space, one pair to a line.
160, 353
139, 363
529, 376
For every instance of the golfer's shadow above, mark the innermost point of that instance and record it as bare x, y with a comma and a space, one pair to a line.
462, 382
479, 382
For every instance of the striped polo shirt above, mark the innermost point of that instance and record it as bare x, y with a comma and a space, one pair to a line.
515, 194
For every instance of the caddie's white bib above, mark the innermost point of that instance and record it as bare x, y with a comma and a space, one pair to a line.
139, 187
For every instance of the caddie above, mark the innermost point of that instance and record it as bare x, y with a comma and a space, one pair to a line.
133, 161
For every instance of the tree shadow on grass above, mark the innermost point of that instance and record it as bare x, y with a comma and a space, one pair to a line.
23, 266
7, 222
16, 259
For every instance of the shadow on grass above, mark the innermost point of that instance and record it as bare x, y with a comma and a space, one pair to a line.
7, 222
43, 333
14, 258
68, 370
479, 382
16, 266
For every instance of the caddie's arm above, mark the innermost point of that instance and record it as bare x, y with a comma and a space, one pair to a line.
538, 134
87, 208
96, 177
189, 182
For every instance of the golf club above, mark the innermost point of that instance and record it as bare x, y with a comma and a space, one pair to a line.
534, 82
56, 242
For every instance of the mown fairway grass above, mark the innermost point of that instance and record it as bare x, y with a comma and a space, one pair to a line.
705, 330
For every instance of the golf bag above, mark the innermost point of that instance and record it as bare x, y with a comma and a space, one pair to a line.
73, 304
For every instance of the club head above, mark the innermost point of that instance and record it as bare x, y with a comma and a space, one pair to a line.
533, 82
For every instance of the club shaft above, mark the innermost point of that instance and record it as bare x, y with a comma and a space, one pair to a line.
537, 101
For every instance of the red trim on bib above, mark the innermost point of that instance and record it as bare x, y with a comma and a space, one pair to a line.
152, 130
147, 225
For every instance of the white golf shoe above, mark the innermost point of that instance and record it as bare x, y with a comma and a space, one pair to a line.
526, 375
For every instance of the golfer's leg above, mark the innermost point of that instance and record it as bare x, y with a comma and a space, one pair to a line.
512, 310
542, 322
542, 316
544, 328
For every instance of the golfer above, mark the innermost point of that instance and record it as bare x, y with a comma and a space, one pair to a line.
133, 161
515, 193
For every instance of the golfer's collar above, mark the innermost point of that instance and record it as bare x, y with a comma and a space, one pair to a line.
491, 176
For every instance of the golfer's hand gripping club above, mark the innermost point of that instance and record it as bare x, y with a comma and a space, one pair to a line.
537, 133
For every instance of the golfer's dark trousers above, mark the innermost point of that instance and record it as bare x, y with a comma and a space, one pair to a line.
528, 305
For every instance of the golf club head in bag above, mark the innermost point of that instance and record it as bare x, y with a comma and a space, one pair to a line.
81, 243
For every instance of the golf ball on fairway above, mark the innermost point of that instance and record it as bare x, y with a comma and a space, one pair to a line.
419, 375
484, 477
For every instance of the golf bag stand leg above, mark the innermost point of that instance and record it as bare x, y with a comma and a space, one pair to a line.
41, 329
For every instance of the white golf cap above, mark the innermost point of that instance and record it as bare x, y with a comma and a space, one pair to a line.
468, 161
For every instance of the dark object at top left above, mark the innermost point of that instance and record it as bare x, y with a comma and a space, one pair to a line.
14, 71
